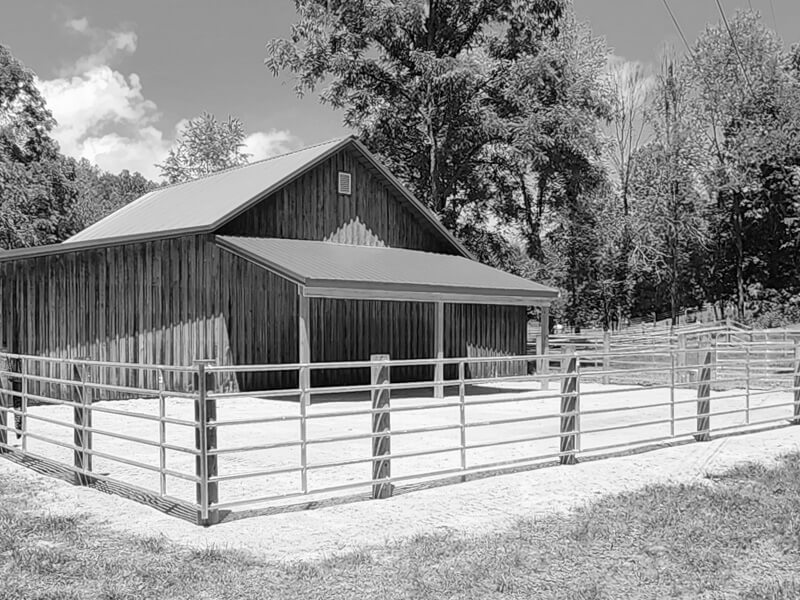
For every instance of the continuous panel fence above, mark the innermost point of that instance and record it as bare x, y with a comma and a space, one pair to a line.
180, 439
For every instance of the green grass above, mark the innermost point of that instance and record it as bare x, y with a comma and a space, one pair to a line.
732, 536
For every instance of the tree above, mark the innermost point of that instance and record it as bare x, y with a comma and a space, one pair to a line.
419, 81
632, 89
667, 188
205, 146
36, 182
100, 193
748, 95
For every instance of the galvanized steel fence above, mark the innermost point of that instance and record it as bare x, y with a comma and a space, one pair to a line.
190, 447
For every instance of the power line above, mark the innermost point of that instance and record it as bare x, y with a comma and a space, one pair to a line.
678, 27
774, 20
735, 45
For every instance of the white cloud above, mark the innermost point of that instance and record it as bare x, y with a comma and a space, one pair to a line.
262, 145
80, 25
105, 117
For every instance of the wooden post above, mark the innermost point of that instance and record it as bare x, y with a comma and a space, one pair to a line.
438, 378
606, 354
544, 348
82, 421
5, 401
703, 398
205, 414
570, 403
462, 416
796, 411
381, 426
304, 379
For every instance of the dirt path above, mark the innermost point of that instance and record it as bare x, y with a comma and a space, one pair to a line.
472, 507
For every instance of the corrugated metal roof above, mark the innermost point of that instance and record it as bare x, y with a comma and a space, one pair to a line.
344, 267
203, 203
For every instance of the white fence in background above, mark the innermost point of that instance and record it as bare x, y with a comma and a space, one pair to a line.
205, 452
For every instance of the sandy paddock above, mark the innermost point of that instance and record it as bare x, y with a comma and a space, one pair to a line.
523, 403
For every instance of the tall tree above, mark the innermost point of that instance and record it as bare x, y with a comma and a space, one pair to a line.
205, 146
419, 80
36, 182
668, 188
632, 87
750, 100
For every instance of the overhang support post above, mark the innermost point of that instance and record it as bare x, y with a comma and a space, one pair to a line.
438, 377
304, 378
544, 347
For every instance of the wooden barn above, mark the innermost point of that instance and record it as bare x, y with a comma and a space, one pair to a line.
316, 255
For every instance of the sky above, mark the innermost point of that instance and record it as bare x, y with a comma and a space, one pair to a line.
123, 77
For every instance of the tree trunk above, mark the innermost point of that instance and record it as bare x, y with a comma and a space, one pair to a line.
736, 218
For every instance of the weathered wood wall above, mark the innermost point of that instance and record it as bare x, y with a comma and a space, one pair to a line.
350, 330
173, 301
311, 208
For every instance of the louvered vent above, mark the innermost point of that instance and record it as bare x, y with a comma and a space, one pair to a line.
345, 183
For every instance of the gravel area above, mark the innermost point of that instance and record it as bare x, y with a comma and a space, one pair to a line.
471, 507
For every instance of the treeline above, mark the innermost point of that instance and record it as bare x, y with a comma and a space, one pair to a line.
633, 189
45, 197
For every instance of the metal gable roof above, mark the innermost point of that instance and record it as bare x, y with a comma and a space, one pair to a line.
338, 270
205, 204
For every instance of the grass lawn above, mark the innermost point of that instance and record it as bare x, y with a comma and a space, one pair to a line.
730, 536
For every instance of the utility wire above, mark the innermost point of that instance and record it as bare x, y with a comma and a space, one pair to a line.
735, 45
678, 27
774, 20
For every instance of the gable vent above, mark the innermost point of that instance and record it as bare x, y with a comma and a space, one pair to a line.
345, 186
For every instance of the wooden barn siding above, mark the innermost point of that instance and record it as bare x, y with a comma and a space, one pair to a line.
311, 208
349, 330
485, 330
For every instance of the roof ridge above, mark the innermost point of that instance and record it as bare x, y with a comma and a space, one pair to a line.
244, 166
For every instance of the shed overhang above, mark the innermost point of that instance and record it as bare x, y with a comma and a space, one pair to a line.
329, 270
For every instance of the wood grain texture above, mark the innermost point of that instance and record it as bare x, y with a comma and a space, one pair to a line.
311, 208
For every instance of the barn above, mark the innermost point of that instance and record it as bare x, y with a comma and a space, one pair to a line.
316, 255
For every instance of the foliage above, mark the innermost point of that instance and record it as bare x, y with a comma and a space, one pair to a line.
36, 182
100, 193
205, 146
748, 96
422, 82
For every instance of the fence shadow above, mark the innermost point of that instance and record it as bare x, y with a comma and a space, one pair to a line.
44, 466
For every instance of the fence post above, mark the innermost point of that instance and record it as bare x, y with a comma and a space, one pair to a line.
682, 358
747, 384
544, 348
570, 405
205, 437
162, 434
672, 393
462, 416
796, 412
606, 354
381, 426
703, 398
23, 418
82, 425
5, 401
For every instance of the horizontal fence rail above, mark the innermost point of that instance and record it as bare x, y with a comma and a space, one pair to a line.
189, 437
